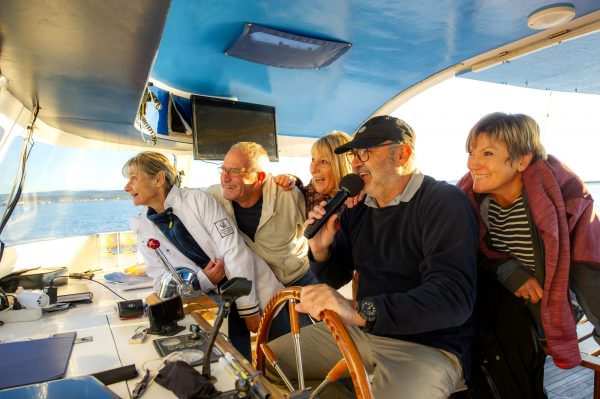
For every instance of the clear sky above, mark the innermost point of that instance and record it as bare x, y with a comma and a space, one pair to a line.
441, 118
60, 168
443, 115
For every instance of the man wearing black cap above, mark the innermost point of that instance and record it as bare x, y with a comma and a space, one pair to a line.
414, 241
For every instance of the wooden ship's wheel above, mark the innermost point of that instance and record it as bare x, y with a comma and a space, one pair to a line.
350, 357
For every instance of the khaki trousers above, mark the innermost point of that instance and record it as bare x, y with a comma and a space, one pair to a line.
398, 369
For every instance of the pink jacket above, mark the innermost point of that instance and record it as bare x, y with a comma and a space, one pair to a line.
563, 213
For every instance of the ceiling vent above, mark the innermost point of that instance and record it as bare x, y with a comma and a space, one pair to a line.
274, 47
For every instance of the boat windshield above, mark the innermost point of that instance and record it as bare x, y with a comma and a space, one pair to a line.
67, 192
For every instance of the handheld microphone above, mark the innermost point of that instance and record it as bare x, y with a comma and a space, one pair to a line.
350, 186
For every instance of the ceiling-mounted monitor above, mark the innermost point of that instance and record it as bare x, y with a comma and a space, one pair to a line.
219, 123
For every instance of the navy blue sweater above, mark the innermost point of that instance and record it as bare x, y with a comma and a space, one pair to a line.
417, 261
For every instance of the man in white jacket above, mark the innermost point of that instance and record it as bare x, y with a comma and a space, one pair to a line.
195, 232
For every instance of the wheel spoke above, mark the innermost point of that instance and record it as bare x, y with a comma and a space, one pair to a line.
271, 358
351, 361
334, 374
295, 328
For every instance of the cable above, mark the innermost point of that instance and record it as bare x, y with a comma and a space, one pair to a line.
153, 359
142, 123
18, 183
154, 100
78, 277
146, 129
150, 376
16, 305
137, 329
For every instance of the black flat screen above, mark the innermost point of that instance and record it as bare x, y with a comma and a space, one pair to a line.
219, 123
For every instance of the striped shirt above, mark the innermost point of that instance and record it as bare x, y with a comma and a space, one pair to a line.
510, 232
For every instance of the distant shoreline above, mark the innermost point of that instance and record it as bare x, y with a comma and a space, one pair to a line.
63, 196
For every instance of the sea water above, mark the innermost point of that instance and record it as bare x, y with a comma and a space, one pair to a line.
36, 221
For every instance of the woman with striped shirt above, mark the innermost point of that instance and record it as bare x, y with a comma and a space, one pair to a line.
538, 230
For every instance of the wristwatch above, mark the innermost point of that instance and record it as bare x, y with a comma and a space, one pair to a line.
368, 311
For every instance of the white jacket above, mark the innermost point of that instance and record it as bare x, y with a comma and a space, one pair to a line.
217, 235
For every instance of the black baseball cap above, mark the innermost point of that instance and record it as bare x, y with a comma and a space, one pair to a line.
379, 130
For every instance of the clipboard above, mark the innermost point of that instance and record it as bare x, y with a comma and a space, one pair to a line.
38, 360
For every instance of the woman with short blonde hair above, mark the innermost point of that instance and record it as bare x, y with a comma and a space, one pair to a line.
519, 132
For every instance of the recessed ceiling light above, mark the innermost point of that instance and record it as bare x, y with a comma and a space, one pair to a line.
551, 16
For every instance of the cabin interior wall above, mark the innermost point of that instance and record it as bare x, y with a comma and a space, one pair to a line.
76, 253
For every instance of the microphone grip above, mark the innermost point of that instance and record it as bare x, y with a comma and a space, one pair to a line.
332, 206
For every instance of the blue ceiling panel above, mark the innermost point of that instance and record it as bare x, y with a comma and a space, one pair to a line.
86, 62
395, 44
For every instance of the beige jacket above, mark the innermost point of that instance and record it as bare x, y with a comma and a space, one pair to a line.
279, 237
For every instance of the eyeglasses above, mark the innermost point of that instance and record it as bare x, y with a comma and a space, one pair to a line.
363, 153
233, 171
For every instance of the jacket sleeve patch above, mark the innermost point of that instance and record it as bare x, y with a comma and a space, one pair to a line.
224, 227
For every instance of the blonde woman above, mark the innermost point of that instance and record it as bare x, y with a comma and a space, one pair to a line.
326, 169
